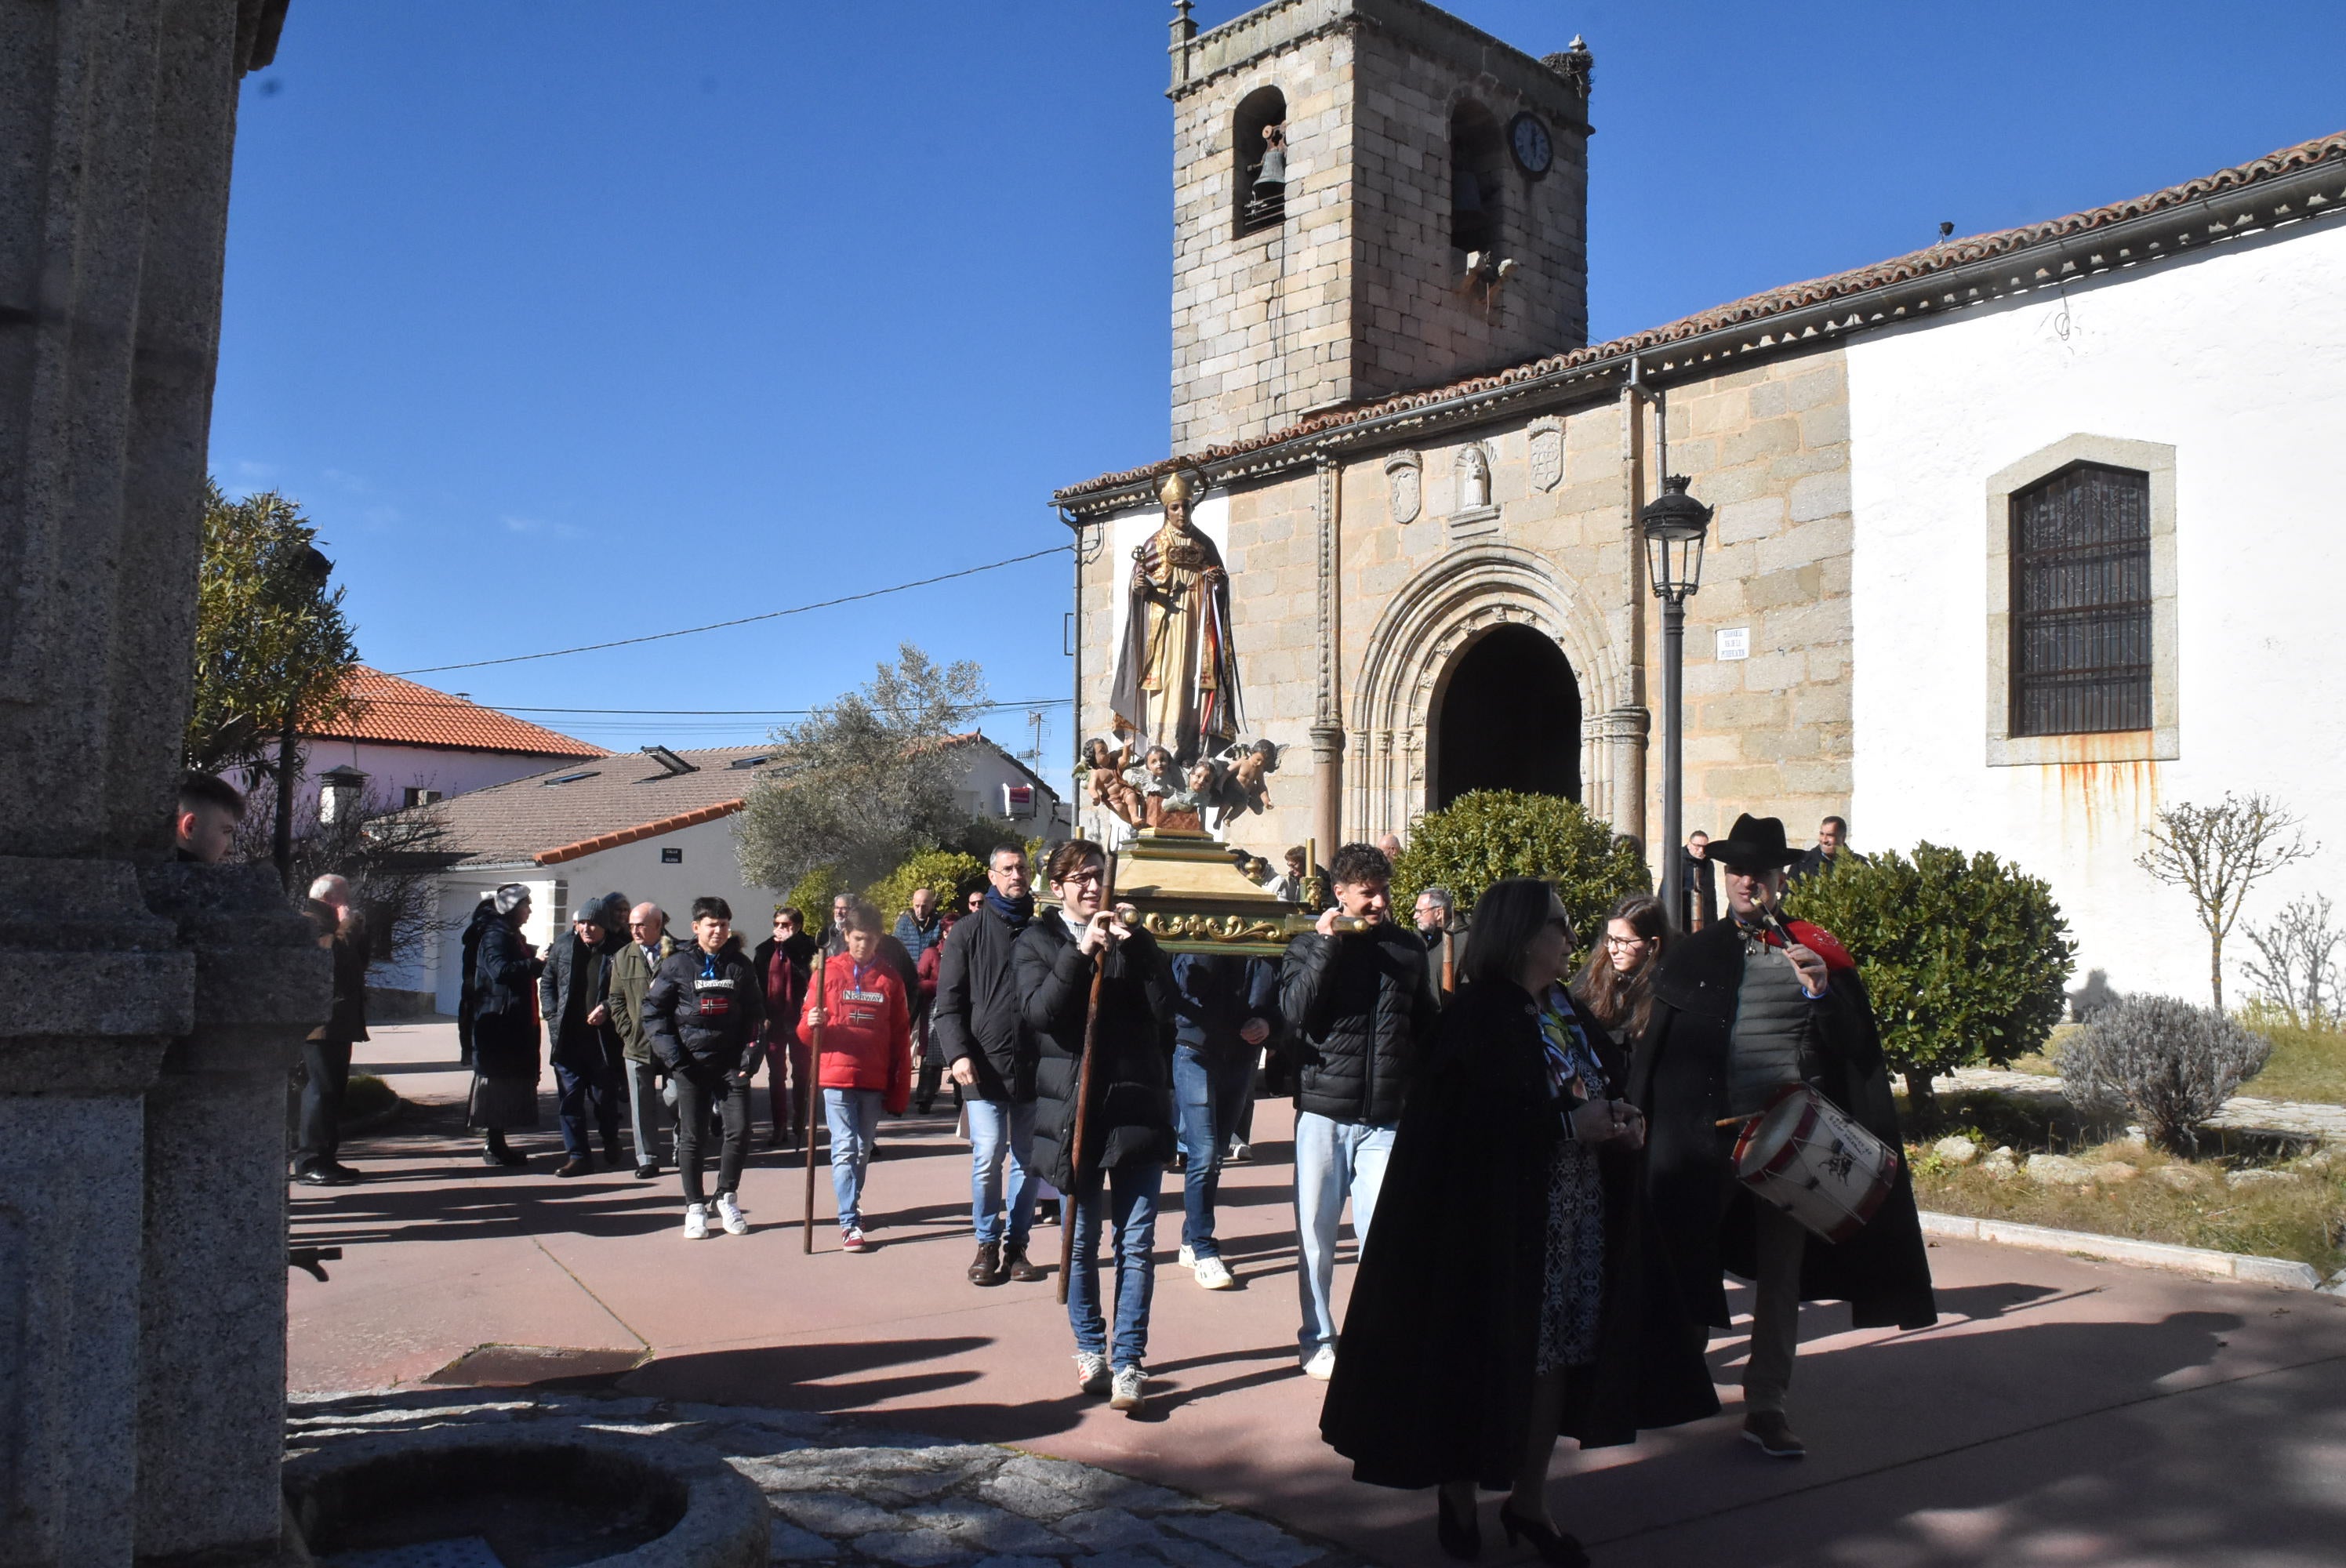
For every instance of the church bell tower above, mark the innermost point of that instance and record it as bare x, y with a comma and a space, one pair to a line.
1417, 212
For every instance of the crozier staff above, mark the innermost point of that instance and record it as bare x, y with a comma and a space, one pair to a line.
1742, 1009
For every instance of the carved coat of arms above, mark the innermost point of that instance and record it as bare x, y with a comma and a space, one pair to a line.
1403, 488
1547, 453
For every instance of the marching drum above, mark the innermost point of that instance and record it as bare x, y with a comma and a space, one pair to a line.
1811, 1160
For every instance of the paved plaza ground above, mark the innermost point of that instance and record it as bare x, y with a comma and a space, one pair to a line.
2062, 1411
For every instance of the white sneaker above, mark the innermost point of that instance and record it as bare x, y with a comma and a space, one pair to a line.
728, 1210
1127, 1395
696, 1222
1188, 1256
1322, 1364
1091, 1372
1212, 1274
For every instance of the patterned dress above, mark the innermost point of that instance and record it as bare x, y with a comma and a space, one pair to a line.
1574, 1287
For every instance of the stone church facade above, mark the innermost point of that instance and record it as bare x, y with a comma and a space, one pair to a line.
1424, 484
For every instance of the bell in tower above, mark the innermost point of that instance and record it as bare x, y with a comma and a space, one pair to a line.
1335, 167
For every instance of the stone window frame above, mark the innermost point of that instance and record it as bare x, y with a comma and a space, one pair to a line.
2162, 742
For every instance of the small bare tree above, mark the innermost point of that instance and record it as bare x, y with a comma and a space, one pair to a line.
392, 857
2296, 964
2165, 1063
2217, 853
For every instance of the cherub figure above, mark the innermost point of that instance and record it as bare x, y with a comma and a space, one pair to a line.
1247, 788
1153, 780
1107, 781
1186, 806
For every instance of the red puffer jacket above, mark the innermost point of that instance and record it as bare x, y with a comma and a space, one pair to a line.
867, 1031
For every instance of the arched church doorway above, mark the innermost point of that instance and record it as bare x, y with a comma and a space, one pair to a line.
1508, 718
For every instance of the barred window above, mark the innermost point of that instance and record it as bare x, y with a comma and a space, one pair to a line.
2081, 602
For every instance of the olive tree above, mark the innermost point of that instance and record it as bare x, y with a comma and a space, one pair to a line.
865, 781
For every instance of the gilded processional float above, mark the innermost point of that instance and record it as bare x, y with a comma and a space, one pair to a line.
1179, 754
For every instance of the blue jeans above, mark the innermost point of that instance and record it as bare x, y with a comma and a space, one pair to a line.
1333, 1159
588, 1092
854, 1118
1131, 1191
1000, 1133
1207, 1094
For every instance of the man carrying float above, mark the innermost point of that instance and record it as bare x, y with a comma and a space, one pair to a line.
1772, 1140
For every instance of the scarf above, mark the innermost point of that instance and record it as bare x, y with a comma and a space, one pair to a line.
1015, 913
1572, 1062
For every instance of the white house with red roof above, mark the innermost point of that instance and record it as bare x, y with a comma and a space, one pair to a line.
655, 825
402, 744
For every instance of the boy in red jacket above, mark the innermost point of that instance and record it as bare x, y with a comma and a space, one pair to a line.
866, 1060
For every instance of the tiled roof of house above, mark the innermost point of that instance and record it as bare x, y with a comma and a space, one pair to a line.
1943, 256
581, 808
395, 712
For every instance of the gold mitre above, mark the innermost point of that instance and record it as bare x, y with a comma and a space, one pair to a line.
1175, 489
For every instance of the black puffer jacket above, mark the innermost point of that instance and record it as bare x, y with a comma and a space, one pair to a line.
981, 1014
1360, 1016
1132, 1081
703, 1010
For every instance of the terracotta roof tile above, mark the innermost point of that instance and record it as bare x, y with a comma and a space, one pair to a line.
580, 808
395, 712
1757, 307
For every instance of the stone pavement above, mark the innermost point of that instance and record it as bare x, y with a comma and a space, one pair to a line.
2241, 1113
2063, 1410
848, 1494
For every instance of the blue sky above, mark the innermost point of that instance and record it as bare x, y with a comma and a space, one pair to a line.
569, 321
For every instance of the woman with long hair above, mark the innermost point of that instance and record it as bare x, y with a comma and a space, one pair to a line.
1496, 1305
1616, 983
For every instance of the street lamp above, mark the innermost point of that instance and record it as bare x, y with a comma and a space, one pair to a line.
1674, 525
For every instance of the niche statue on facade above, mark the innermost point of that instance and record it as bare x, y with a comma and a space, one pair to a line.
1176, 675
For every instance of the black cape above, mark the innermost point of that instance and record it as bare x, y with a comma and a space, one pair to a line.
1435, 1366
1678, 1078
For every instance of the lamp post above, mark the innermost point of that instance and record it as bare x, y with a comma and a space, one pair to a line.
1674, 524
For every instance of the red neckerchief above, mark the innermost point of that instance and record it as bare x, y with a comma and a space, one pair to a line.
1815, 938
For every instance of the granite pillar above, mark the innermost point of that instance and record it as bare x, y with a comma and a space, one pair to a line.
142, 1056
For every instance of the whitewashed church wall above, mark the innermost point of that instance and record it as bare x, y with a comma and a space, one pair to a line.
2237, 360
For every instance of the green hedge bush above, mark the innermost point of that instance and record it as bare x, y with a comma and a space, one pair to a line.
948, 872
1965, 957
1487, 835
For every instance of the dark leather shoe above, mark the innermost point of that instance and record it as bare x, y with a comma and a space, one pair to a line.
1774, 1434
576, 1165
1016, 1267
646, 1172
986, 1268
1460, 1538
344, 1175
319, 1175
1552, 1544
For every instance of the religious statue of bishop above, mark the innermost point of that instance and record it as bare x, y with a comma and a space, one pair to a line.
1176, 675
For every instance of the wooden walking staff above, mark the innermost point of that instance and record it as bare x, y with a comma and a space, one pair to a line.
809, 1091
1069, 1200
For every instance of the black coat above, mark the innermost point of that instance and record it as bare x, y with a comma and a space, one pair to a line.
1358, 1016
485, 915
1131, 1117
346, 1019
704, 1023
1215, 995
576, 981
1439, 1353
981, 1014
1678, 1078
504, 1004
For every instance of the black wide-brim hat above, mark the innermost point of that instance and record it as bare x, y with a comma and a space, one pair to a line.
1757, 844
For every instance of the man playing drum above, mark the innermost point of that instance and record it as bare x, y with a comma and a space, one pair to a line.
1743, 1009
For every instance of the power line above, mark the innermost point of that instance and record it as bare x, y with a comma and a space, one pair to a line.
670, 712
742, 621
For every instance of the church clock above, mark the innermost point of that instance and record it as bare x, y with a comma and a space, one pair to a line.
1527, 138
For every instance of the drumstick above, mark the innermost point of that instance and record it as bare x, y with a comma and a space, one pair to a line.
1730, 1121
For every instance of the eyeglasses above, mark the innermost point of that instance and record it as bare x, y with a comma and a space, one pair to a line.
1078, 878
1612, 941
